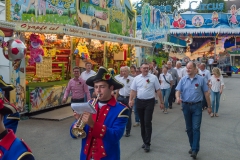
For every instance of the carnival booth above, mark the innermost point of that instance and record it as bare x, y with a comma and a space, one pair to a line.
59, 36
153, 24
207, 33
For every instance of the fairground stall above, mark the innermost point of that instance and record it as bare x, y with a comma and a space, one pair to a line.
207, 33
153, 24
59, 36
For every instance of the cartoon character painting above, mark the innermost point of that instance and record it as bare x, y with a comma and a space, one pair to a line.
178, 22
232, 19
36, 98
164, 20
20, 97
35, 4
197, 21
214, 19
42, 7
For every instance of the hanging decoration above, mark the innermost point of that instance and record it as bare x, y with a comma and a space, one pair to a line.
133, 58
14, 50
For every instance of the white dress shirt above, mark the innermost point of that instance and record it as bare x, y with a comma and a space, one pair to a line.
210, 61
206, 75
184, 72
145, 86
125, 91
216, 83
179, 71
117, 77
85, 75
164, 84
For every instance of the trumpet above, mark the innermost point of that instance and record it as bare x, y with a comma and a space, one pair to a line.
78, 130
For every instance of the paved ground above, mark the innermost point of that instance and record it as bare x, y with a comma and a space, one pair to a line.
220, 137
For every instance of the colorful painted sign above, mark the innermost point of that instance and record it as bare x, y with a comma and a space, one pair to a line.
82, 32
209, 6
38, 27
205, 24
155, 24
197, 21
112, 16
43, 11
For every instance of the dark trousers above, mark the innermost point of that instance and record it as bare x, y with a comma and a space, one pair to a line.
171, 98
125, 101
145, 111
77, 100
204, 103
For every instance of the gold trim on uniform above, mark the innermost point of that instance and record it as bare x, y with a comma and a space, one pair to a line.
13, 118
120, 114
24, 154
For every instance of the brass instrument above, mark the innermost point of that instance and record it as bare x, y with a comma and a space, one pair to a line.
78, 131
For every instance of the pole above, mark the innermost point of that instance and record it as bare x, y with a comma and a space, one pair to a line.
215, 48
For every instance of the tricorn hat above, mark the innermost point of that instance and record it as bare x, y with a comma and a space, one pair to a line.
104, 75
6, 108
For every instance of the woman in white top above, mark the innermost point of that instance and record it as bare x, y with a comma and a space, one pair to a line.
216, 84
166, 82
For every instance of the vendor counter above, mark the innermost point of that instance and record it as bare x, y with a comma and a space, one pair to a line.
44, 95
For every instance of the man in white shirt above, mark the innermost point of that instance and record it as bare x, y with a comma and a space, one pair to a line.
85, 75
144, 87
175, 77
210, 63
179, 69
118, 77
206, 75
124, 93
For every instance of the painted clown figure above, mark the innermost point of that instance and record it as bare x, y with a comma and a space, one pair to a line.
105, 128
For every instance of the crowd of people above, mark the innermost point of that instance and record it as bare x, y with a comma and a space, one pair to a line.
137, 90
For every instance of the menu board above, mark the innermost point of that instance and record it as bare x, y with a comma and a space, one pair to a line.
44, 69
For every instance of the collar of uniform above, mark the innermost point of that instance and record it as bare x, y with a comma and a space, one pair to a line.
7, 141
112, 102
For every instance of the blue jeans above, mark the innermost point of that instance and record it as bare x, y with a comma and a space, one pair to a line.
136, 112
165, 94
91, 92
193, 119
215, 99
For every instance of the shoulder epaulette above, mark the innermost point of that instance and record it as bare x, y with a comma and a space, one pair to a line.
124, 112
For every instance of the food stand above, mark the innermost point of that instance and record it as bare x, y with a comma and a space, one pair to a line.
59, 36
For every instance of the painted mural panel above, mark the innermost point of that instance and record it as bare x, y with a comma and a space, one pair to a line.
93, 14
155, 23
45, 97
52, 11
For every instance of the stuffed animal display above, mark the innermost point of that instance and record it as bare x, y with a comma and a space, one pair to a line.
36, 50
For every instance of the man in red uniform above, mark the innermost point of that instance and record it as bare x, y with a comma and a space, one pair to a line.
105, 128
11, 148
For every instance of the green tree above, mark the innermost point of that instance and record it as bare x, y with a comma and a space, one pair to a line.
213, 1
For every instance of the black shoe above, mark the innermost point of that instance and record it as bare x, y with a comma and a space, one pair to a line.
147, 148
190, 151
170, 107
194, 155
143, 146
127, 134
